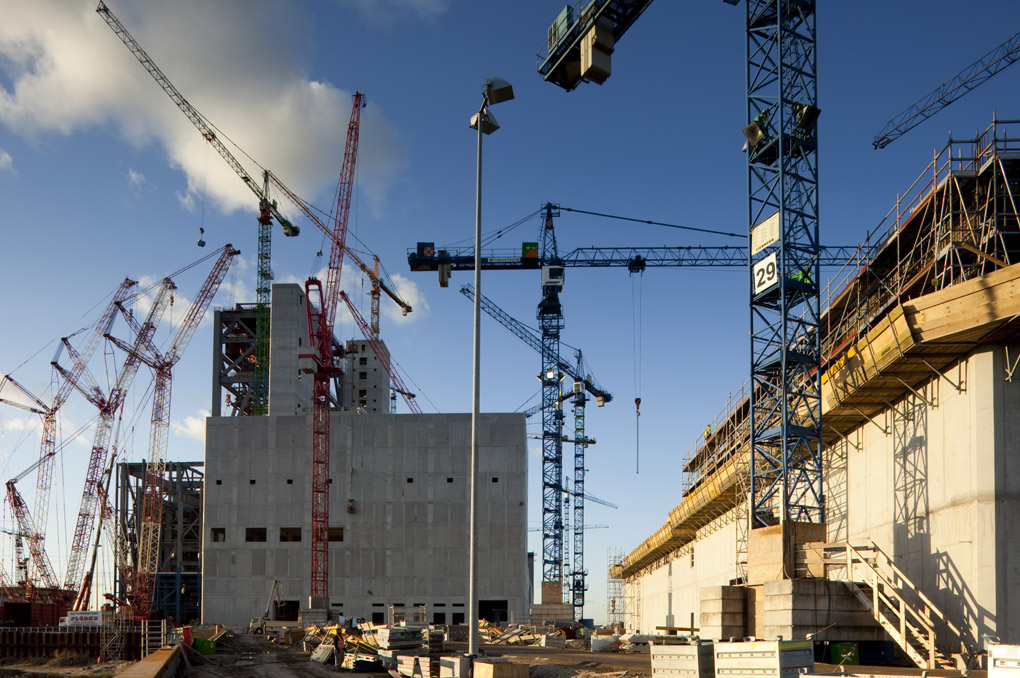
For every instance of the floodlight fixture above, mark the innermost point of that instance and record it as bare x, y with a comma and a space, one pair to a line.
488, 120
497, 90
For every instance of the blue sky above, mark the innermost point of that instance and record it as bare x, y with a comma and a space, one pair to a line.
101, 177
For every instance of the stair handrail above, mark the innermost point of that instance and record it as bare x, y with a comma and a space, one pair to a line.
924, 621
931, 607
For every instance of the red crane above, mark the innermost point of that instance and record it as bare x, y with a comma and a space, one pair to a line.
383, 355
162, 365
108, 406
48, 440
320, 335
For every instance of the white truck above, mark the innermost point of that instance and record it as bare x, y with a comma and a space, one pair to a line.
83, 618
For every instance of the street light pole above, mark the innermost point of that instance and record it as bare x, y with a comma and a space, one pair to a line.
495, 90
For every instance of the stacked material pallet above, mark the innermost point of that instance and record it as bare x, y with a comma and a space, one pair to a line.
418, 667
696, 660
398, 637
556, 640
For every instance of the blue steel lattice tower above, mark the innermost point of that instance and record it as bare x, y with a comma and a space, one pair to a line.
550, 322
782, 162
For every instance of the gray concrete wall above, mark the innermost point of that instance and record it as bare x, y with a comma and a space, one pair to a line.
290, 392
934, 481
669, 594
405, 541
366, 382
922, 485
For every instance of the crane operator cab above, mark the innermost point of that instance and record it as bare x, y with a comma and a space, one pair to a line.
552, 275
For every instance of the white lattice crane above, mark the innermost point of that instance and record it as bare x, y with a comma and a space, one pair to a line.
162, 365
108, 405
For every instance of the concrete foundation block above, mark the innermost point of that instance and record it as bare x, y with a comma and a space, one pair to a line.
722, 605
722, 619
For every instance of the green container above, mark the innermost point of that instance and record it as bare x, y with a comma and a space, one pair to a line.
203, 646
847, 654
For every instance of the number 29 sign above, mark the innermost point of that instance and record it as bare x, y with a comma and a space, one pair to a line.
766, 273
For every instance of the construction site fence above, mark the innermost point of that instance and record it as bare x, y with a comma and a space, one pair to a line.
57, 642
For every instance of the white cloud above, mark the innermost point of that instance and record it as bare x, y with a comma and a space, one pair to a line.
412, 294
6, 161
135, 179
192, 427
70, 72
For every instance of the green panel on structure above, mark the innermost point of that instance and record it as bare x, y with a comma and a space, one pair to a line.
204, 646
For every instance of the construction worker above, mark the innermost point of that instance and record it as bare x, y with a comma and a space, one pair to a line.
708, 431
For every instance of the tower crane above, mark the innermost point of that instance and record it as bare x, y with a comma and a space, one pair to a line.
783, 263
267, 207
268, 210
991, 64
162, 365
554, 548
39, 516
426, 257
382, 354
320, 335
107, 406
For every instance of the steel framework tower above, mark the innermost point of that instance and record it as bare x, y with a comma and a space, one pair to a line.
550, 322
782, 171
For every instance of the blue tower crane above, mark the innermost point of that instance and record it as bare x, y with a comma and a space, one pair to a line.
784, 259
426, 257
554, 369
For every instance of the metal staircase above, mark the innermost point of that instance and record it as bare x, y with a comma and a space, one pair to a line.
906, 614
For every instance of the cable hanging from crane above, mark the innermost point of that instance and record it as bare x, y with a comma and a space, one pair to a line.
636, 297
656, 223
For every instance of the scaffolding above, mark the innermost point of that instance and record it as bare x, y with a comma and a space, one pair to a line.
959, 220
614, 590
179, 572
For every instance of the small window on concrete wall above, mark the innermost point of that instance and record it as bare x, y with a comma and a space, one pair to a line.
254, 534
290, 534
219, 534
378, 617
336, 534
458, 617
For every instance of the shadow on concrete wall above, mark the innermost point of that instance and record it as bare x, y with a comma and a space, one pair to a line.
932, 571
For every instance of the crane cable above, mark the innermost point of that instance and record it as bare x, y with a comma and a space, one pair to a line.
635, 286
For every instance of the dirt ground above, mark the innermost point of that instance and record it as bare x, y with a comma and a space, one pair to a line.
244, 655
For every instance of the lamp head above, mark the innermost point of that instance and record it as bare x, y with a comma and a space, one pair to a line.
488, 121
497, 90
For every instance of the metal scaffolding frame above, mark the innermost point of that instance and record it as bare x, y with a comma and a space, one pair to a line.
179, 574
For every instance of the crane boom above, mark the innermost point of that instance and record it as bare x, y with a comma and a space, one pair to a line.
383, 355
267, 207
528, 336
321, 317
152, 503
101, 441
196, 118
991, 64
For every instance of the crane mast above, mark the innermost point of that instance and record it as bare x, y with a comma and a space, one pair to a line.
108, 407
268, 210
267, 207
162, 366
320, 334
573, 580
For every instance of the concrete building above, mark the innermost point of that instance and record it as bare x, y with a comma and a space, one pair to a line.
398, 499
921, 449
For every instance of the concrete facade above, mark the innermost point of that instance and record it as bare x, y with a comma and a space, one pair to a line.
933, 481
366, 382
398, 503
400, 495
